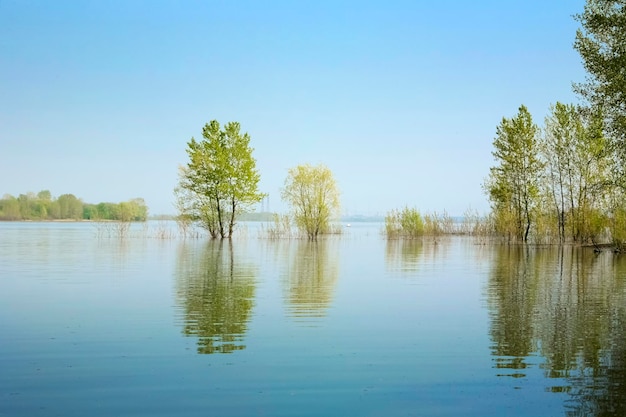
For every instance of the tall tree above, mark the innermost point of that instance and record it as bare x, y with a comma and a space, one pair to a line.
561, 129
513, 185
312, 193
574, 149
600, 43
220, 180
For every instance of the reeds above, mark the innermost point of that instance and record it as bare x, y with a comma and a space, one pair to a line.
410, 223
279, 228
405, 223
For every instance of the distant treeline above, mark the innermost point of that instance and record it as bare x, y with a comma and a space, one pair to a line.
43, 206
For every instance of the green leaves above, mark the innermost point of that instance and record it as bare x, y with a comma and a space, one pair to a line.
313, 195
512, 185
600, 43
220, 180
551, 183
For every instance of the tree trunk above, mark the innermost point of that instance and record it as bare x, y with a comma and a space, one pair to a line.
231, 222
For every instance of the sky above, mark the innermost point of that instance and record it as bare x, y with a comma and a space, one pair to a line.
400, 99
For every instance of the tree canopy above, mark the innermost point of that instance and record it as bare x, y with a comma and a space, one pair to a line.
513, 184
220, 180
312, 193
600, 43
43, 206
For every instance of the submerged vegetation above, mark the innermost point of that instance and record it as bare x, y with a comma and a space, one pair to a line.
220, 181
409, 223
279, 227
312, 194
557, 184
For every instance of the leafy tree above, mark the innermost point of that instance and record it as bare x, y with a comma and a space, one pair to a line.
312, 193
131, 210
139, 209
90, 212
70, 207
513, 185
54, 210
220, 180
104, 211
42, 206
24, 204
44, 195
575, 152
9, 208
561, 129
600, 43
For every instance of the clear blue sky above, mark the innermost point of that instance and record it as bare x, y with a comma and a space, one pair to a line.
400, 99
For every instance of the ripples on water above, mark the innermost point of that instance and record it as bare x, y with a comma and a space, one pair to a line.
351, 325
563, 310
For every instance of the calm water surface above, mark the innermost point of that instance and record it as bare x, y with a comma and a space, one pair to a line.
94, 325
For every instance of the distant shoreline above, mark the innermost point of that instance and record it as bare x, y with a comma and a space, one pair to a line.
67, 221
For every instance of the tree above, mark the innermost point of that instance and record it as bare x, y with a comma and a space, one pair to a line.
220, 180
574, 149
132, 210
561, 129
9, 208
313, 195
513, 185
70, 207
600, 43
44, 195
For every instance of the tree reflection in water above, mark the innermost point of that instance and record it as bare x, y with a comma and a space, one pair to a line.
216, 294
403, 254
411, 255
311, 277
568, 305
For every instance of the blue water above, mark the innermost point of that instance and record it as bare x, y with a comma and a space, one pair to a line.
96, 324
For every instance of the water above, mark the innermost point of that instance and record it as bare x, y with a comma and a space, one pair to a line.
95, 325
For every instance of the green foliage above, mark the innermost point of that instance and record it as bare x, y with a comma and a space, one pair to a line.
439, 224
618, 228
312, 193
600, 43
220, 181
410, 223
405, 223
513, 184
545, 229
43, 206
577, 166
555, 187
70, 207
44, 195
10, 208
